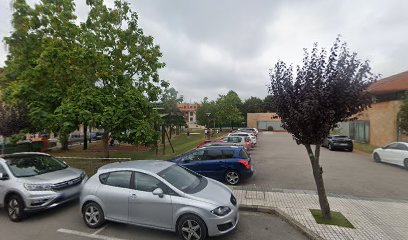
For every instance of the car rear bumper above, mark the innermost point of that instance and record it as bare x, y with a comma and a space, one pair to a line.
342, 145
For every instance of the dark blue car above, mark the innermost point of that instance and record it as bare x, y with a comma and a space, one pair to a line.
231, 164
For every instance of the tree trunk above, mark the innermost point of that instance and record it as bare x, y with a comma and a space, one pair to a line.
105, 140
318, 177
63, 138
85, 137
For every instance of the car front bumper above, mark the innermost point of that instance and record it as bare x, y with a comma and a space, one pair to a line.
221, 225
41, 200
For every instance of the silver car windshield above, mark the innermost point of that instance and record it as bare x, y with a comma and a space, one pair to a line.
180, 178
32, 165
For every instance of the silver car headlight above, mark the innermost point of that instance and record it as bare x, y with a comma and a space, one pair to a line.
37, 187
221, 211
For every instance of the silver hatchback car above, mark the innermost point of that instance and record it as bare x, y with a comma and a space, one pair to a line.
36, 181
161, 195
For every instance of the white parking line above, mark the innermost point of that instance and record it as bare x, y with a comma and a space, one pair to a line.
89, 235
100, 230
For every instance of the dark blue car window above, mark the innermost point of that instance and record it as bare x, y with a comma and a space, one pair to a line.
213, 154
228, 154
243, 154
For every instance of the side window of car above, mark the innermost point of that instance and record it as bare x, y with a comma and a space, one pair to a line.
147, 183
2, 170
196, 155
402, 147
213, 154
117, 179
392, 146
227, 154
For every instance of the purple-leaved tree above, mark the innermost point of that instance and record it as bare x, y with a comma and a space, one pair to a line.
327, 89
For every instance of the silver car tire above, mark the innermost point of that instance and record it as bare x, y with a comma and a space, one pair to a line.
232, 177
93, 215
15, 208
377, 157
406, 163
191, 227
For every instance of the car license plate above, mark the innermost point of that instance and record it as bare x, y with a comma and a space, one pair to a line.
343, 144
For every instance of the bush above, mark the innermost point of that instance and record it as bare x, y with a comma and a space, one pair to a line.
270, 128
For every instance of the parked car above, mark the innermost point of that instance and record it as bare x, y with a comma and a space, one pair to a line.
230, 164
36, 181
250, 130
395, 153
160, 195
243, 141
336, 142
245, 134
208, 141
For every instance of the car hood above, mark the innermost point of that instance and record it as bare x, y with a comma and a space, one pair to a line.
214, 193
53, 177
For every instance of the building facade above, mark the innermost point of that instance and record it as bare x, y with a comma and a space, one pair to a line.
264, 121
189, 111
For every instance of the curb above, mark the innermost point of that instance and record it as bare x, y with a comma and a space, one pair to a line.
285, 217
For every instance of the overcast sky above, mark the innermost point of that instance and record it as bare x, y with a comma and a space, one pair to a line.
212, 46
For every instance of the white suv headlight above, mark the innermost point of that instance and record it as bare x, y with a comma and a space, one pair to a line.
37, 187
221, 211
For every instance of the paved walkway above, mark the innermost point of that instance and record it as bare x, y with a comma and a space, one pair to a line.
372, 219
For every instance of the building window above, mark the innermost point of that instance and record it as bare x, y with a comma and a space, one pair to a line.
191, 119
191, 113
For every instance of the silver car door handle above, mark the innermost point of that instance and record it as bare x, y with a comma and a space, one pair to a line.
133, 196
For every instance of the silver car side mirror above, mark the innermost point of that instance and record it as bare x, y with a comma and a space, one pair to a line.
158, 192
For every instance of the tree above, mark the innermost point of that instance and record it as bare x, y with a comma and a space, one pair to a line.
169, 101
268, 104
13, 119
45, 60
206, 113
125, 74
252, 105
324, 91
228, 109
403, 116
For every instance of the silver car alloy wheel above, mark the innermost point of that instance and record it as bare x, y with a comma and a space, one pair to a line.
92, 215
232, 177
14, 208
191, 230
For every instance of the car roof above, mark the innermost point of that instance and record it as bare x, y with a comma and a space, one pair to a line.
153, 166
221, 147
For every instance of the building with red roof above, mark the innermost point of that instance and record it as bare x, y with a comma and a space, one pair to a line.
378, 125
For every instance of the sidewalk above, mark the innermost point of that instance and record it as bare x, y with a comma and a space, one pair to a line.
372, 219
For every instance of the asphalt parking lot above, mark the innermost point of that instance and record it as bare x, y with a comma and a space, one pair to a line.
65, 223
281, 163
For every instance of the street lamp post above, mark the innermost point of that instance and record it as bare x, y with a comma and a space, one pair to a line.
208, 124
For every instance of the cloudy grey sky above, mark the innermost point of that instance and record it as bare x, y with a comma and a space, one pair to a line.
212, 46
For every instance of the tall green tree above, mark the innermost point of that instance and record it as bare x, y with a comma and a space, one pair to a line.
252, 105
326, 90
269, 104
44, 60
125, 73
206, 113
228, 109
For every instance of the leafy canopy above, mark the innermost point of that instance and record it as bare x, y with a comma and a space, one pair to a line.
326, 90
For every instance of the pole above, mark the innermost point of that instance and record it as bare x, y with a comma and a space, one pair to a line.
171, 145
163, 139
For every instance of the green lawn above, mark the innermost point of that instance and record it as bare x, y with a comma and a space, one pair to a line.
181, 144
337, 219
364, 147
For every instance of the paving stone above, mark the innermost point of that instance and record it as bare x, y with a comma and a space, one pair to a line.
382, 219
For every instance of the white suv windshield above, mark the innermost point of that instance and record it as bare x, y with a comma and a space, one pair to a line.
32, 165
